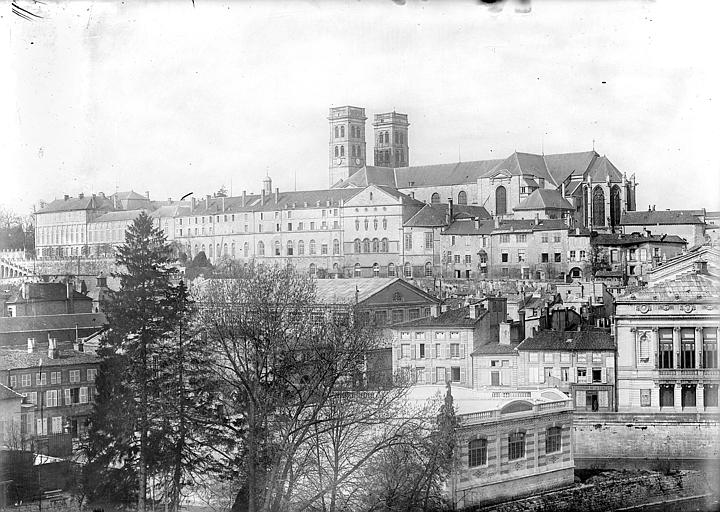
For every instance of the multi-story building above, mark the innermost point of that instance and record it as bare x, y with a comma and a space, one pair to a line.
590, 297
510, 442
686, 224
58, 380
667, 336
580, 363
11, 416
495, 363
347, 150
438, 348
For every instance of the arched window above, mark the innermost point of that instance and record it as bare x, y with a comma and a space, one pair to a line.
301, 247
375, 224
435, 198
217, 250
407, 269
391, 270
375, 245
290, 248
232, 249
500, 201
428, 269
462, 197
312, 247
598, 207
202, 248
195, 250
312, 269
225, 250
342, 131
261, 249
366, 245
336, 268
342, 150
477, 452
384, 245
246, 249
353, 150
337, 132
357, 270
336, 246
337, 151
387, 139
615, 205
384, 223
357, 247
376, 270
357, 224
210, 251
367, 224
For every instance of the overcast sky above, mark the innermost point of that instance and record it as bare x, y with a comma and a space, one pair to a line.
171, 98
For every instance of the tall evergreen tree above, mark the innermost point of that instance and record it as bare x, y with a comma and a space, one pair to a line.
127, 421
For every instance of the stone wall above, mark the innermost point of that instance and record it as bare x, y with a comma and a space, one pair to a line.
648, 436
619, 491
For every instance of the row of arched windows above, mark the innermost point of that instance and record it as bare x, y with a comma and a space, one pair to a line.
355, 151
355, 131
368, 245
366, 223
291, 249
461, 198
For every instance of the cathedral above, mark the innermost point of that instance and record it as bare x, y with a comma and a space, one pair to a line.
585, 188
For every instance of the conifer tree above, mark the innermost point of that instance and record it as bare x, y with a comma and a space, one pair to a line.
128, 419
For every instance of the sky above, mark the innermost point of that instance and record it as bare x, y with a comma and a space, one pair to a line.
172, 98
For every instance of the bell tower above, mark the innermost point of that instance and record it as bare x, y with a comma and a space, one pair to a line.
391, 140
347, 142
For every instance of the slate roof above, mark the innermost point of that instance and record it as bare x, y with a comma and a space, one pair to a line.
78, 203
519, 164
458, 173
8, 394
287, 200
15, 359
510, 225
687, 287
176, 209
469, 227
16, 324
544, 198
573, 341
617, 239
339, 291
46, 292
120, 216
434, 215
563, 165
660, 217
459, 317
495, 348
602, 168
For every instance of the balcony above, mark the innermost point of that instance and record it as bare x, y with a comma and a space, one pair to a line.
689, 373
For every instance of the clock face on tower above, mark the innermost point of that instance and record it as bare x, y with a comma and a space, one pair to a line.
357, 161
338, 161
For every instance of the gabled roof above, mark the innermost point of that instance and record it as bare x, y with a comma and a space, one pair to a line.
369, 175
660, 217
520, 164
618, 239
285, 201
343, 291
687, 287
8, 394
563, 165
510, 225
16, 359
20, 324
435, 215
495, 348
572, 341
601, 169
544, 198
176, 209
459, 317
119, 215
46, 292
469, 227
458, 173
78, 203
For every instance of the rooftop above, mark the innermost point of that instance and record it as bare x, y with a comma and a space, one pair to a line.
572, 341
544, 198
435, 215
459, 317
635, 239
46, 292
660, 217
20, 324
16, 359
334, 291
692, 287
495, 348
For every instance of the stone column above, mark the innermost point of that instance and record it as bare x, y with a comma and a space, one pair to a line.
678, 397
698, 347
656, 348
700, 397
676, 347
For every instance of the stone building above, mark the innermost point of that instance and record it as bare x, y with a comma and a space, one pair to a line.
667, 336
686, 224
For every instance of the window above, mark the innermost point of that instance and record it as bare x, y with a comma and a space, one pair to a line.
644, 348
25, 380
455, 373
687, 395
582, 375
454, 349
429, 240
51, 398
582, 255
420, 375
710, 355
504, 257
711, 395
544, 238
477, 452
521, 256
521, 238
456, 258
357, 270
391, 270
440, 375
572, 255
500, 201
91, 374
408, 241
41, 379
564, 374
556, 238
376, 271
375, 245
564, 357
55, 377
380, 317
516, 446
357, 245
324, 248
435, 198
384, 245
397, 316
289, 248
421, 350
312, 247
413, 314
366, 245
544, 258
558, 257
687, 348
428, 269
301, 248
534, 357
665, 348
667, 395
407, 270
405, 351
547, 357
261, 249
598, 207
56, 425
312, 270
277, 248
597, 375
468, 259
504, 239
462, 197
645, 398
553, 439
336, 247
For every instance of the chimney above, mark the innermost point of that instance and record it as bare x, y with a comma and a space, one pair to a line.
115, 201
31, 345
562, 189
102, 194
223, 203
444, 308
412, 195
244, 198
147, 195
562, 319
521, 314
537, 219
53, 351
207, 201
449, 217
81, 195
70, 292
67, 197
277, 195
477, 222
435, 310
474, 311
653, 208
504, 338
497, 222
26, 291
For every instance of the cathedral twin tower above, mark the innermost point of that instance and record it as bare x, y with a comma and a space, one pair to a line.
348, 152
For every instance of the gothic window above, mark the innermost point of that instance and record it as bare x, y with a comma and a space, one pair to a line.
342, 150
462, 197
357, 246
336, 246
615, 205
375, 245
500, 201
337, 151
366, 245
384, 245
435, 198
598, 206
342, 131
